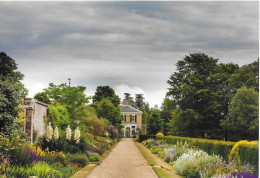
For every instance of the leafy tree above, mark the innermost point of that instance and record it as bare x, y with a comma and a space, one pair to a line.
64, 119
154, 122
106, 92
184, 122
139, 101
71, 97
80, 113
43, 97
243, 117
11, 91
129, 99
200, 85
247, 75
106, 109
168, 106
53, 115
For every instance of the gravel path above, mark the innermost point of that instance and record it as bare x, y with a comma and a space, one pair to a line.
124, 161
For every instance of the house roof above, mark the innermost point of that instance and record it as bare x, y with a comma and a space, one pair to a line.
129, 109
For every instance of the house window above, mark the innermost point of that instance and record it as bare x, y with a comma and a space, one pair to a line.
133, 118
124, 118
133, 130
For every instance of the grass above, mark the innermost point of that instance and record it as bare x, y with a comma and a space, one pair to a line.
162, 173
162, 169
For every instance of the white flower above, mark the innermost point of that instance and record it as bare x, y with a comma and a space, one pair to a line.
49, 132
68, 133
77, 135
56, 133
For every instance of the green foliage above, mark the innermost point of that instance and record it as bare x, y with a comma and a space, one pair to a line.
53, 115
154, 122
96, 126
184, 122
78, 157
168, 106
129, 99
145, 137
69, 96
193, 162
201, 86
62, 144
40, 169
11, 90
107, 110
242, 120
139, 101
43, 97
248, 153
94, 157
247, 75
105, 92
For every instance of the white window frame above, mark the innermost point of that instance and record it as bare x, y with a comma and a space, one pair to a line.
133, 118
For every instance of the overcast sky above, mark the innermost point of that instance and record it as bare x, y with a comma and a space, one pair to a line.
131, 46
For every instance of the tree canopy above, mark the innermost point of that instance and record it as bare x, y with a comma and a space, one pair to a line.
243, 117
202, 90
70, 96
106, 92
107, 110
11, 90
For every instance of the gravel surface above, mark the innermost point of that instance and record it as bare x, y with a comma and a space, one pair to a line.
124, 161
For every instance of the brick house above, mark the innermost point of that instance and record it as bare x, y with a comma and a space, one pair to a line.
131, 120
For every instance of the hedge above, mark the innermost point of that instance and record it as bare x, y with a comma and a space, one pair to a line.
145, 137
247, 153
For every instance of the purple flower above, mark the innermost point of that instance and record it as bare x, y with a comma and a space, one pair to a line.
34, 158
89, 152
244, 175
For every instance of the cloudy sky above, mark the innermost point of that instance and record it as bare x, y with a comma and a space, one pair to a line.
131, 46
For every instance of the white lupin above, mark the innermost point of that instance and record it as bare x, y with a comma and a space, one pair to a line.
56, 133
77, 135
68, 133
49, 132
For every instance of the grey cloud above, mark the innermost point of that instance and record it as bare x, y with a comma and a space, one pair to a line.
124, 43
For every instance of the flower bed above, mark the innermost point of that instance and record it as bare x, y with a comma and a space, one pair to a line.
190, 161
54, 155
248, 151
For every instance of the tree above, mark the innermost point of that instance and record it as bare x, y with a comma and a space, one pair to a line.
154, 122
243, 117
43, 97
247, 75
200, 85
71, 97
106, 92
11, 91
139, 101
106, 109
168, 106
184, 122
129, 99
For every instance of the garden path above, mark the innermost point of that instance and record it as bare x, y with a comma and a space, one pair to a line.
124, 161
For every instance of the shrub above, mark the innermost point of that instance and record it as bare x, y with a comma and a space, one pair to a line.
159, 134
193, 162
247, 153
171, 155
78, 158
145, 137
40, 169
94, 157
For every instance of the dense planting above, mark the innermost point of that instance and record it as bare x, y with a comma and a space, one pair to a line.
248, 151
191, 161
